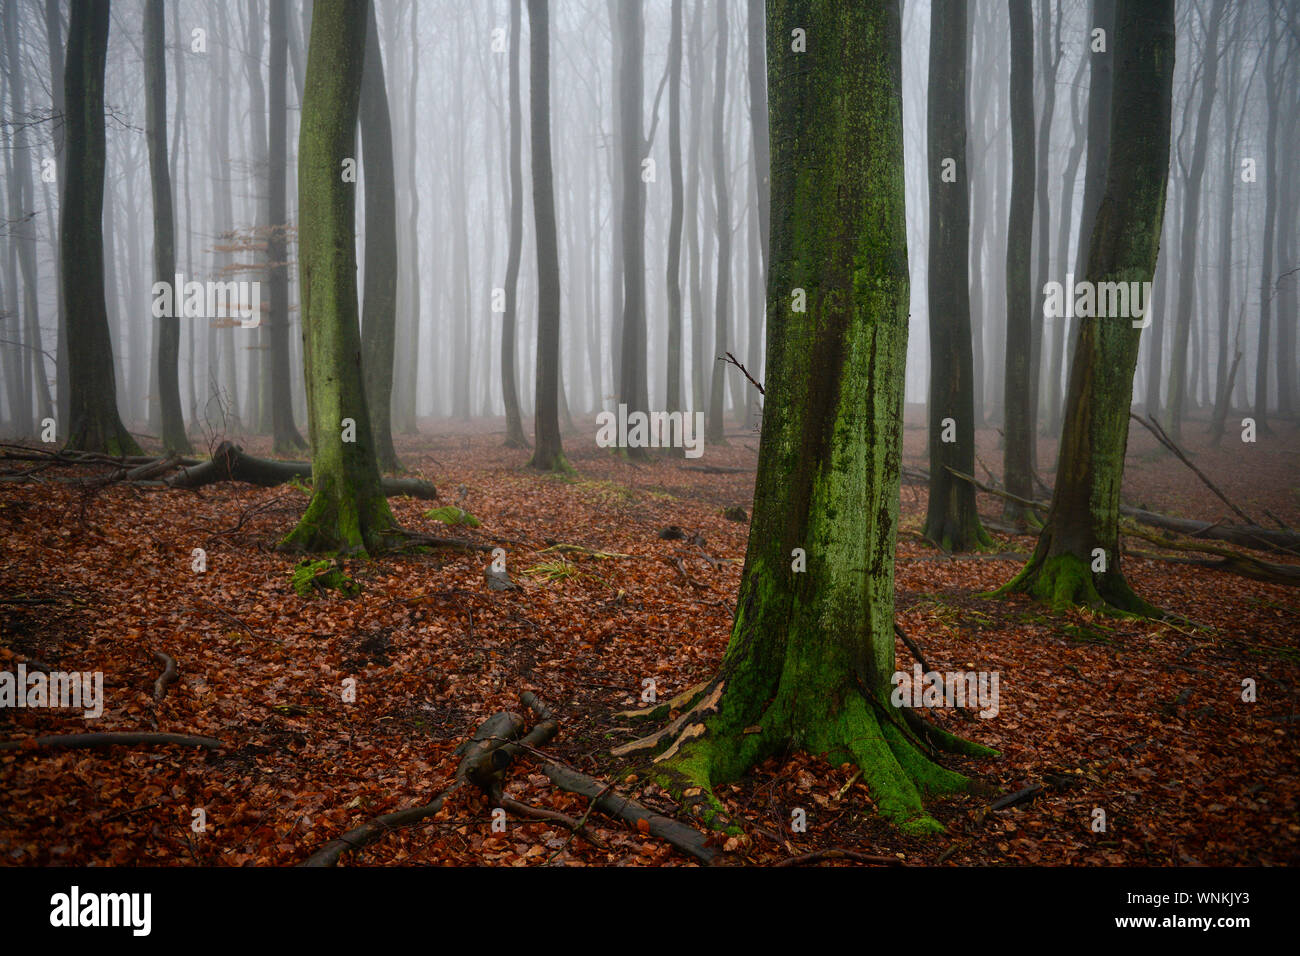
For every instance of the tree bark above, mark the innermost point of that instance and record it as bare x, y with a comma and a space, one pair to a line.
548, 450
348, 511
811, 655
379, 299
1017, 463
715, 423
509, 384
94, 424
952, 521
1081, 531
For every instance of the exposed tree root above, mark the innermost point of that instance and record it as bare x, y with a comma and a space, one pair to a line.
711, 744
229, 463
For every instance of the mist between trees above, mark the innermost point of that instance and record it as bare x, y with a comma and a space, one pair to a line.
1222, 337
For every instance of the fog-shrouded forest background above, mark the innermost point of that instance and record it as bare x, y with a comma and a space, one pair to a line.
1224, 292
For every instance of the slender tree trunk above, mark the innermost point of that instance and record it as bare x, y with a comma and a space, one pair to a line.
348, 511
1267, 294
285, 434
1017, 463
1191, 221
94, 424
548, 451
379, 296
721, 314
509, 387
673, 397
952, 521
164, 226
54, 46
633, 385
1077, 559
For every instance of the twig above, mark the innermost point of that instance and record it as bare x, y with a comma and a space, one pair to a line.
732, 360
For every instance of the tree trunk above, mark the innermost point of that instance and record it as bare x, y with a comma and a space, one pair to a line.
509, 384
633, 385
673, 396
164, 228
952, 521
1267, 294
94, 424
811, 655
548, 451
1017, 463
721, 313
1182, 312
1081, 531
379, 299
285, 434
348, 511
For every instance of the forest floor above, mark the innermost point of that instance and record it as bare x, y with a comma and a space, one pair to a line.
1143, 720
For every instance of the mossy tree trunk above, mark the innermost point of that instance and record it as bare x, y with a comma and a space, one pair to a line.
93, 420
952, 521
379, 302
348, 511
1017, 463
811, 653
1082, 528
509, 383
548, 451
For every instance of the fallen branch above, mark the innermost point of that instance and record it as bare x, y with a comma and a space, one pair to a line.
168, 676
117, 739
836, 853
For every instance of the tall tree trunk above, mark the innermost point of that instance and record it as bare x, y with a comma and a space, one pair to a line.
673, 397
952, 521
756, 42
1077, 559
164, 226
1017, 463
285, 434
54, 45
22, 203
721, 313
548, 451
94, 424
509, 385
633, 385
379, 296
348, 511
695, 78
1182, 313
811, 655
1267, 294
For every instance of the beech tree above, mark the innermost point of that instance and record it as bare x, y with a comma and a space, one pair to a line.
164, 229
379, 300
548, 450
509, 384
1017, 460
93, 420
952, 521
812, 651
1077, 558
348, 511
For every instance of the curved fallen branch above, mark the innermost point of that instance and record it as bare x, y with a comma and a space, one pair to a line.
168, 676
110, 739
